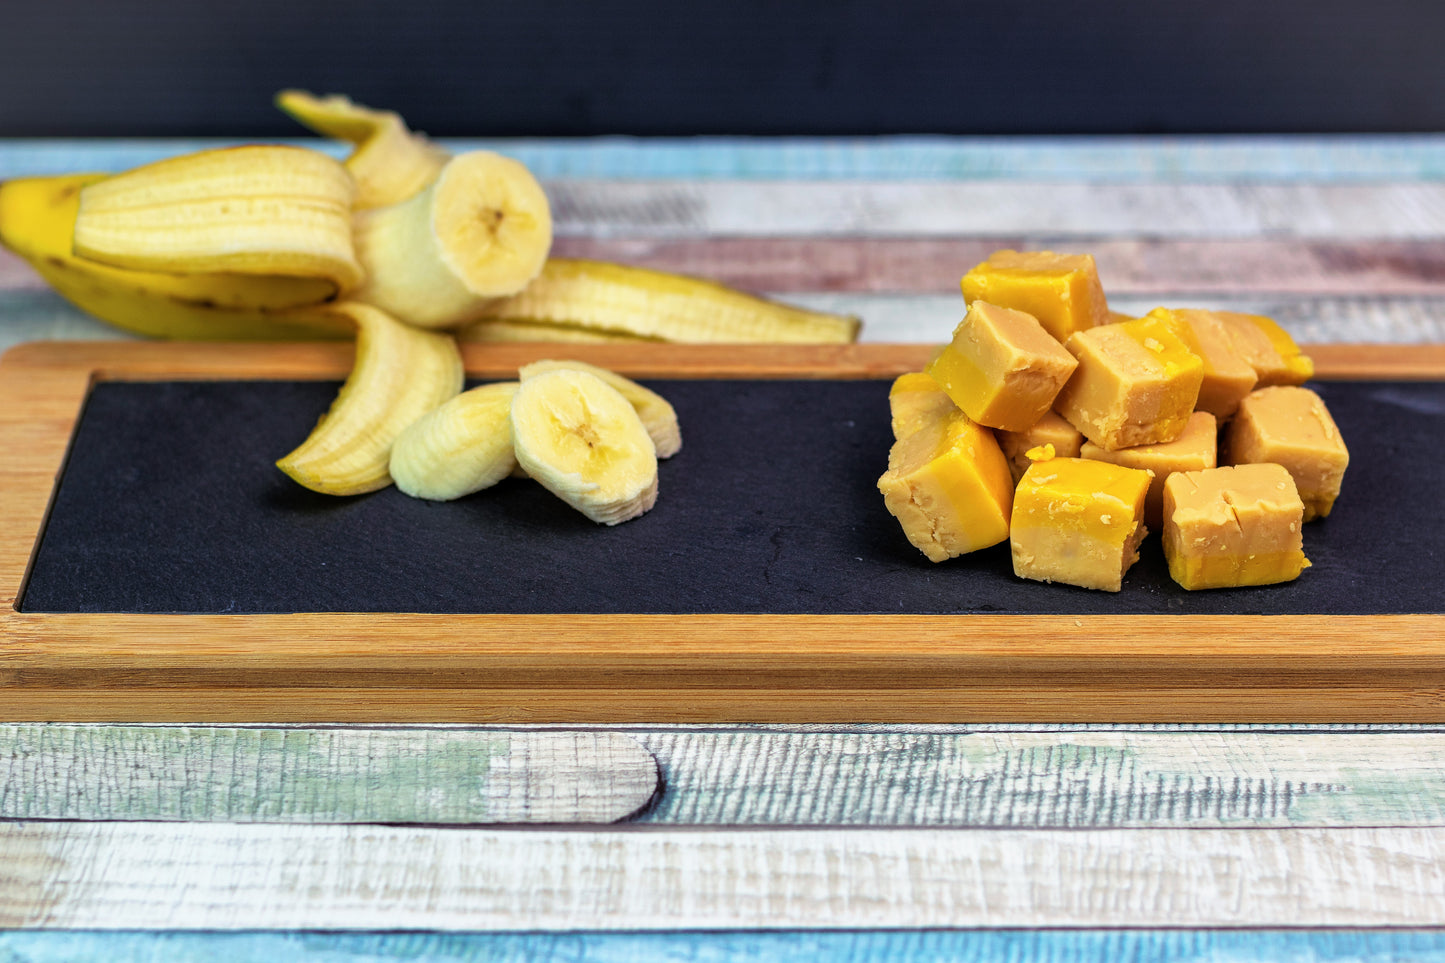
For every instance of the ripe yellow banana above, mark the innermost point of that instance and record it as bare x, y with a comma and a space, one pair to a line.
459, 448
479, 232
656, 412
37, 221
584, 442
261, 209
513, 332
400, 374
614, 298
389, 161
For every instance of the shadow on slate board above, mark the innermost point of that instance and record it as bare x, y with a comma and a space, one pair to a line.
170, 503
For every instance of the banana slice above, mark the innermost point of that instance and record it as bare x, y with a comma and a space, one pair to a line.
459, 448
619, 299
389, 161
261, 209
480, 232
576, 435
657, 414
401, 373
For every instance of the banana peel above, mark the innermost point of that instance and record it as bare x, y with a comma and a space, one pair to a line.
400, 374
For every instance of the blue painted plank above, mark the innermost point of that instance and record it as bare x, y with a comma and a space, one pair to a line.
951, 946
1096, 159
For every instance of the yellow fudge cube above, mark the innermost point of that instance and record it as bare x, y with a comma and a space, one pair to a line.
1002, 368
914, 400
1051, 429
1290, 426
1228, 375
1061, 290
1079, 522
1268, 348
948, 485
1234, 526
1136, 383
1194, 450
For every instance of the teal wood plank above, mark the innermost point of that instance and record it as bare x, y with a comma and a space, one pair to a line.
274, 775
1097, 159
936, 946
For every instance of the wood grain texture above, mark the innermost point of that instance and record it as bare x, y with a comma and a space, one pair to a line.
352, 667
321, 775
210, 876
738, 946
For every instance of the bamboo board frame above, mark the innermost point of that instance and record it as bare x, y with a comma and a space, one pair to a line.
550, 668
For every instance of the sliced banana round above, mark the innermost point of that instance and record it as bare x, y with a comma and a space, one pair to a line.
584, 442
479, 232
657, 414
459, 448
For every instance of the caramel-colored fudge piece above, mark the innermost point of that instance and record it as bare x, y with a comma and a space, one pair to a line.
1194, 450
1268, 348
1061, 290
948, 485
915, 400
1290, 426
1228, 375
1002, 368
1136, 384
1227, 527
1079, 522
1051, 429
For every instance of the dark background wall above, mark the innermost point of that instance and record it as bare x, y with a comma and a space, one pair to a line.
580, 67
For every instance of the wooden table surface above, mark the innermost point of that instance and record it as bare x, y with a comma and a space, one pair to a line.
760, 842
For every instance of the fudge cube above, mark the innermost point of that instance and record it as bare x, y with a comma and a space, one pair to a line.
1290, 426
1268, 348
1233, 526
1228, 375
1051, 429
1079, 522
1002, 368
1194, 450
1061, 290
915, 400
1136, 384
948, 485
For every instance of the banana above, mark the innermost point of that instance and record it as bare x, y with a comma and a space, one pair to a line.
479, 232
459, 448
583, 441
261, 209
513, 332
618, 299
37, 220
400, 374
389, 161
657, 414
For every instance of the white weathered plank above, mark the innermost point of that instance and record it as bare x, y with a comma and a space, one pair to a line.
980, 208
226, 877
297, 775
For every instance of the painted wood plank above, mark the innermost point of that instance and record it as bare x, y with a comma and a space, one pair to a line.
211, 876
1140, 159
42, 315
1080, 779
320, 775
891, 946
1065, 210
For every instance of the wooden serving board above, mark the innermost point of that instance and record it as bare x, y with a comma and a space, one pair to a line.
546, 667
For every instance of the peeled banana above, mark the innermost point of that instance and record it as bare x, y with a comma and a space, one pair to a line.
479, 232
389, 162
617, 299
657, 414
262, 209
459, 448
37, 221
401, 373
583, 441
